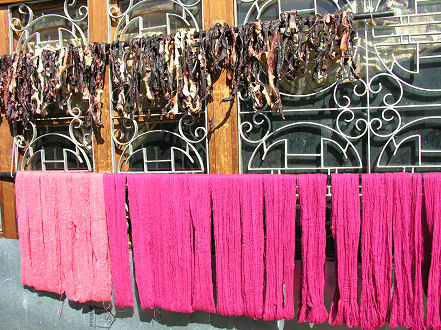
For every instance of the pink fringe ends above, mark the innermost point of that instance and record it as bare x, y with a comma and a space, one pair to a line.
313, 315
432, 190
376, 251
345, 228
345, 312
312, 195
280, 223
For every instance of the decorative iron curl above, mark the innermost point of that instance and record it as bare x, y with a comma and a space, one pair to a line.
83, 11
348, 115
122, 136
197, 135
258, 120
16, 24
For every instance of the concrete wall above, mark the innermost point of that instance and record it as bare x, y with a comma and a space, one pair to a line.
24, 308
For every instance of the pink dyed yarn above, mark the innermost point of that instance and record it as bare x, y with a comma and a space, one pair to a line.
200, 208
22, 196
376, 250
142, 219
99, 250
228, 248
162, 230
253, 241
407, 302
114, 197
280, 224
432, 194
38, 229
85, 264
63, 234
345, 228
312, 196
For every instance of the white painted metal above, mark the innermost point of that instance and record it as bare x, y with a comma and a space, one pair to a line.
71, 27
189, 133
368, 121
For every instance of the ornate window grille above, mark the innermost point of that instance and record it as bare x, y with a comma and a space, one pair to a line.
59, 142
389, 120
148, 142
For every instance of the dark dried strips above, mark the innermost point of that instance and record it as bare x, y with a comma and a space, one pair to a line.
167, 70
174, 74
31, 82
269, 51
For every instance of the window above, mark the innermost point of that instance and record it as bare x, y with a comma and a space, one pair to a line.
148, 142
389, 120
62, 140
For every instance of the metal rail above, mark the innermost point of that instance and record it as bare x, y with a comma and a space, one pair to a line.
7, 176
357, 17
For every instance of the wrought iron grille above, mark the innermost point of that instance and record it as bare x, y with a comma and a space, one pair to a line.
148, 142
389, 120
40, 144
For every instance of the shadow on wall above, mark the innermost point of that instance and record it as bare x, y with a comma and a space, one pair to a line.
25, 308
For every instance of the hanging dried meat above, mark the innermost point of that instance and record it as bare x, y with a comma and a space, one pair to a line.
31, 82
167, 70
174, 73
262, 53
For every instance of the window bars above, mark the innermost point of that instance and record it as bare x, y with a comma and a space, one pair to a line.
40, 144
146, 142
386, 121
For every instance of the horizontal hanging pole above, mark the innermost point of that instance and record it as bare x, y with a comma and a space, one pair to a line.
378, 14
357, 17
7, 176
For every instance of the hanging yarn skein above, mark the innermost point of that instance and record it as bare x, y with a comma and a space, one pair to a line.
312, 196
376, 250
345, 228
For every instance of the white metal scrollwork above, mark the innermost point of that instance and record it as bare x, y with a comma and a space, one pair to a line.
67, 146
146, 142
387, 120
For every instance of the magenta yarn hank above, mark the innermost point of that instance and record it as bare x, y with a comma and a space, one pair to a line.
376, 250
312, 196
115, 200
345, 228
407, 301
142, 221
253, 243
162, 240
200, 208
228, 244
432, 194
280, 223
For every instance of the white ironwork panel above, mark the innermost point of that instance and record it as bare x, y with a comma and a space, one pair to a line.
149, 142
37, 144
388, 120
